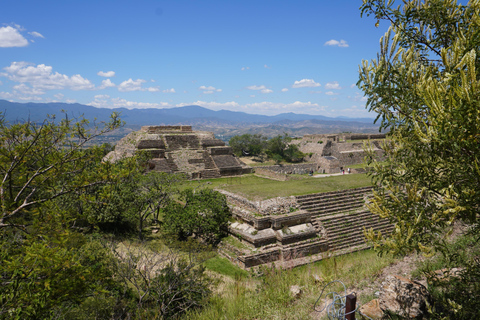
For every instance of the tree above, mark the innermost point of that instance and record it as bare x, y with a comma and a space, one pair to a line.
132, 199
425, 88
42, 260
39, 163
248, 144
204, 213
278, 148
165, 284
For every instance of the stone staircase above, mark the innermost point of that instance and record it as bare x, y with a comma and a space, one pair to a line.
323, 204
341, 217
326, 224
346, 230
172, 167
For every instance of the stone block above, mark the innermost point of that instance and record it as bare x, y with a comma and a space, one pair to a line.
403, 297
371, 310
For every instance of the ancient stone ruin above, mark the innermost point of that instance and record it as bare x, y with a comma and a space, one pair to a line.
179, 149
333, 152
297, 230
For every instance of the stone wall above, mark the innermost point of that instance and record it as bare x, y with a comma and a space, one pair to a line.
279, 171
274, 206
271, 174
166, 129
175, 142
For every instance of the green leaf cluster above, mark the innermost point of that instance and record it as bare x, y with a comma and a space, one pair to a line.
203, 213
424, 87
248, 144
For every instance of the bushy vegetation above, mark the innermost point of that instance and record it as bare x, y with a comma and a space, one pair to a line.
59, 202
277, 148
424, 88
204, 213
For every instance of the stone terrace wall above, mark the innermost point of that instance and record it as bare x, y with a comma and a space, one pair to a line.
166, 129
300, 168
271, 174
274, 206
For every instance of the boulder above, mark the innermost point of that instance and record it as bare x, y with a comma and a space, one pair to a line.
296, 291
444, 275
371, 310
403, 297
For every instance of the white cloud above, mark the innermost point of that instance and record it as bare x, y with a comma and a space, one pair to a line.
305, 83
42, 77
333, 85
11, 37
209, 89
232, 105
131, 85
6, 95
22, 93
359, 97
267, 67
261, 88
70, 101
245, 68
206, 88
353, 85
102, 96
341, 43
331, 93
172, 90
356, 111
107, 74
107, 83
36, 34
284, 90
104, 101
59, 96
24, 89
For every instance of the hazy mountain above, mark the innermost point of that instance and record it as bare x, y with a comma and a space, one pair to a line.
189, 114
223, 123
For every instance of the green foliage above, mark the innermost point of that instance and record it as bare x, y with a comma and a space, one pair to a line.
278, 148
248, 144
425, 88
204, 213
179, 287
44, 264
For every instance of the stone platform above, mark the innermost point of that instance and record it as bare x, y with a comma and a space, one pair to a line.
297, 230
180, 149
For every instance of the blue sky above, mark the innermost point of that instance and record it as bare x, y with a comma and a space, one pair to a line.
263, 57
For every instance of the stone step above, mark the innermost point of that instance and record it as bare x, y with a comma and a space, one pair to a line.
352, 238
338, 208
335, 234
349, 197
324, 195
357, 217
332, 206
355, 224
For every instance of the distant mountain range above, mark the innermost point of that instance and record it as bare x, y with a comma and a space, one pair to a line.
225, 123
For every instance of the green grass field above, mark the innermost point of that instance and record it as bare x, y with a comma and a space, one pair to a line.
256, 188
